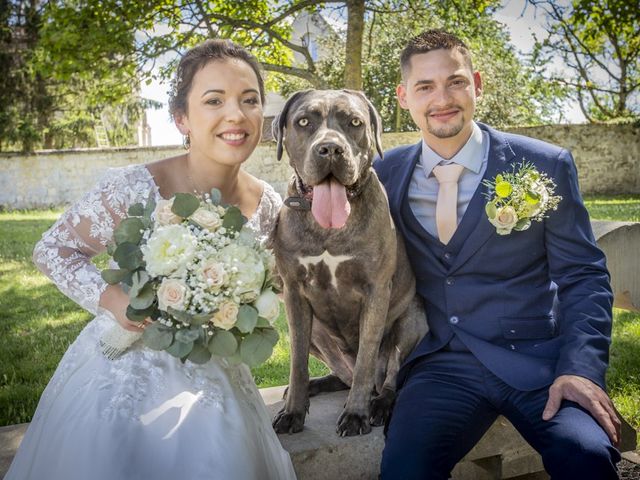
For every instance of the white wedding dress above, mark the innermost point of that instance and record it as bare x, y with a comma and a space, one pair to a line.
144, 415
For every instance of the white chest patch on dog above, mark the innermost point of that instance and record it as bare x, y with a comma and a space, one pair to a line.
331, 261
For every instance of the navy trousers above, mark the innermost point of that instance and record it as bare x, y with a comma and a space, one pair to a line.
448, 402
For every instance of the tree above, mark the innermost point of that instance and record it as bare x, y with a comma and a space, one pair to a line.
599, 43
263, 26
55, 84
514, 93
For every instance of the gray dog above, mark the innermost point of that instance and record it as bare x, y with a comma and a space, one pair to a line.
348, 287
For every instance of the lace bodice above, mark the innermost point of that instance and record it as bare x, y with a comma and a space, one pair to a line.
84, 230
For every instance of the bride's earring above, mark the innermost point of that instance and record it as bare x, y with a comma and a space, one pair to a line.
186, 142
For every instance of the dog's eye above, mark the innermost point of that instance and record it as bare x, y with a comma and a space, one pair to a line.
303, 122
356, 122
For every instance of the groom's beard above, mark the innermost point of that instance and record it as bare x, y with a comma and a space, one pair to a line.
445, 131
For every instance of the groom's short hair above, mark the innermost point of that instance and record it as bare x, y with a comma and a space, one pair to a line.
428, 41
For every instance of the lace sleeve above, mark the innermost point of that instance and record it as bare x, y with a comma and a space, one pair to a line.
269, 209
65, 250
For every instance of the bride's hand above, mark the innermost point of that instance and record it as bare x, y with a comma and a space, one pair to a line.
115, 300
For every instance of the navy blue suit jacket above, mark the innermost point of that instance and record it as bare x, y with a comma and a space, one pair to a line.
531, 305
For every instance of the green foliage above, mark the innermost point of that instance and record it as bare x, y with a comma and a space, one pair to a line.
56, 85
513, 93
600, 48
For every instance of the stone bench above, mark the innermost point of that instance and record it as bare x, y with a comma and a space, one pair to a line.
318, 453
620, 242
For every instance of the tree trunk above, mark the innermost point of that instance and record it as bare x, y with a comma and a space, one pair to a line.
353, 52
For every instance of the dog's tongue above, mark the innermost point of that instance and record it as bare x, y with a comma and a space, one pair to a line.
330, 206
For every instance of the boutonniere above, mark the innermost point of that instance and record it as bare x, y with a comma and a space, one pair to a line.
517, 198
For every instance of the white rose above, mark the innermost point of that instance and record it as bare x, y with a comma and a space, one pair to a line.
226, 315
505, 219
268, 305
248, 268
214, 274
169, 250
172, 293
163, 213
207, 219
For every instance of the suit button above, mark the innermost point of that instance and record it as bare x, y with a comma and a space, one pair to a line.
454, 320
450, 281
512, 346
447, 256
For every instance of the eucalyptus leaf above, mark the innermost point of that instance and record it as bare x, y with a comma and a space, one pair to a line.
144, 297
186, 335
200, 319
257, 347
234, 359
247, 318
223, 343
180, 315
180, 349
129, 230
136, 210
114, 276
136, 315
139, 279
157, 337
522, 224
233, 219
216, 196
200, 354
262, 323
491, 210
150, 206
128, 255
111, 247
184, 204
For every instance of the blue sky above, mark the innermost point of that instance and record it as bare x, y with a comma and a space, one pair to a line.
521, 22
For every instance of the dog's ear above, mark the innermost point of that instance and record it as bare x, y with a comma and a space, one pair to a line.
279, 123
376, 121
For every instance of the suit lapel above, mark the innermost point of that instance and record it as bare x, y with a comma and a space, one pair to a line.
474, 229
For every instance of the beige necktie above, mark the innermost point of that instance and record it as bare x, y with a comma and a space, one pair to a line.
447, 203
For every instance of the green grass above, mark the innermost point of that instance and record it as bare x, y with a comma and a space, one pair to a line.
625, 208
37, 323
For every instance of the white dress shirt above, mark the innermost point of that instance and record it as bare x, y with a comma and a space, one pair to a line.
423, 188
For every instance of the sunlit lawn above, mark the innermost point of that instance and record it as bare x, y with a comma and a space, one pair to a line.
37, 323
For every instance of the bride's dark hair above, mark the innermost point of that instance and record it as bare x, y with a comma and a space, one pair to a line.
198, 57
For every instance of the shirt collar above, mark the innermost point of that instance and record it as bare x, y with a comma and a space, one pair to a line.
470, 155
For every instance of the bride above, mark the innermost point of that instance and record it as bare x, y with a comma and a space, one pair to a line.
146, 415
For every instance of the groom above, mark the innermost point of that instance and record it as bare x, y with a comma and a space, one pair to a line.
520, 322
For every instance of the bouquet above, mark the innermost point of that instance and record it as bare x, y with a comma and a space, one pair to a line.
207, 283
517, 198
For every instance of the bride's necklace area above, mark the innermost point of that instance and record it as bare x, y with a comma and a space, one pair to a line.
194, 187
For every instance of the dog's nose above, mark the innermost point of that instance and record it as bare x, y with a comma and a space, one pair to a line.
329, 149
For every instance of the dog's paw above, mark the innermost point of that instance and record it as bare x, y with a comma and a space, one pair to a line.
380, 407
285, 422
350, 424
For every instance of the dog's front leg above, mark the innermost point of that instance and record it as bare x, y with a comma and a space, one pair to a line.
354, 420
299, 316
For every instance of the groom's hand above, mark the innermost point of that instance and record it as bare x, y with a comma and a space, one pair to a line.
590, 397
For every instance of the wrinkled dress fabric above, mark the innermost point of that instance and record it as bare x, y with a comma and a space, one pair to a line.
144, 415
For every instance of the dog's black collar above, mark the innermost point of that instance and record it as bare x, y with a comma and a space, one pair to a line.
303, 200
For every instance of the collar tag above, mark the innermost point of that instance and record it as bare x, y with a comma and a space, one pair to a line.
297, 203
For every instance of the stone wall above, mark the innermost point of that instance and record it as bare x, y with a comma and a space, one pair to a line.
608, 160
52, 178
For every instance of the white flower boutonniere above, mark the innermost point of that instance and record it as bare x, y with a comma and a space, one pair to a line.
517, 198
